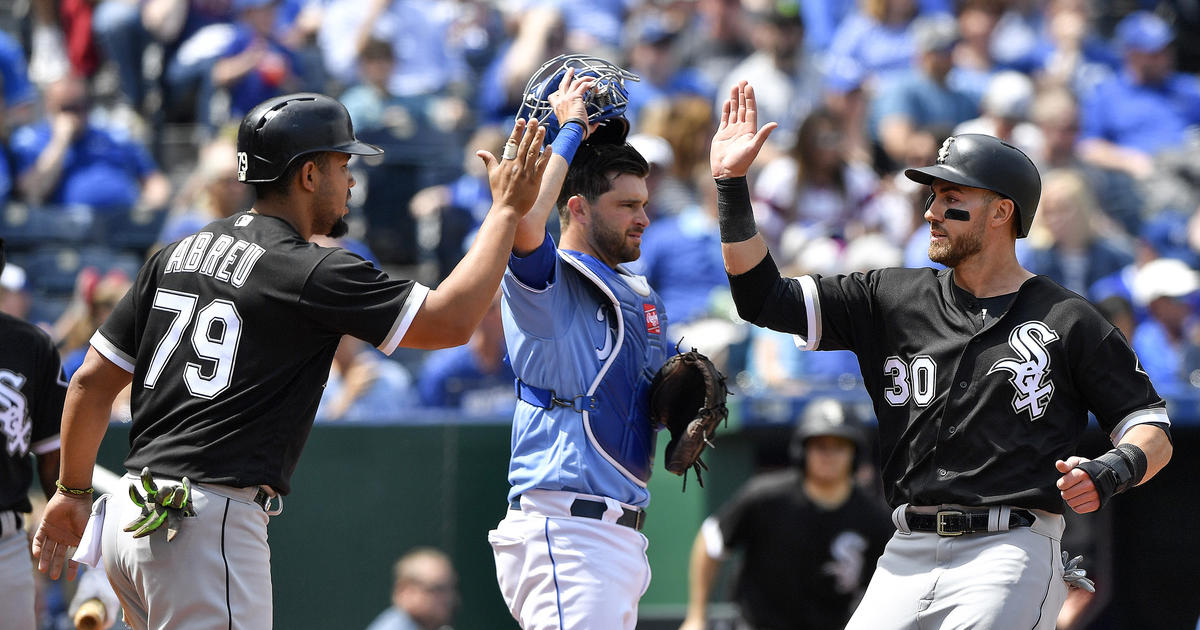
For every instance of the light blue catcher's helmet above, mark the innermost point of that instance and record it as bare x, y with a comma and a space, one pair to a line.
606, 101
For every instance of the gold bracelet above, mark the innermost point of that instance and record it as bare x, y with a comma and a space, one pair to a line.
58, 484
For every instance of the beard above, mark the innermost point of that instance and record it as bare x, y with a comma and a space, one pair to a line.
613, 244
339, 228
954, 250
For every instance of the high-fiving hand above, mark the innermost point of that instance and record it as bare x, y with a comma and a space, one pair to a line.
738, 138
516, 179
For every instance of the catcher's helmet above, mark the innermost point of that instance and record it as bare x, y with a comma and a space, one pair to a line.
281, 129
825, 416
606, 101
981, 161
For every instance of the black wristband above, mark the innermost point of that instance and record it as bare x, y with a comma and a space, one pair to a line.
1138, 462
578, 121
751, 290
1112, 473
735, 215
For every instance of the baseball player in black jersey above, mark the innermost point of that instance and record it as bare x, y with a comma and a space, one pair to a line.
32, 387
228, 336
809, 536
982, 376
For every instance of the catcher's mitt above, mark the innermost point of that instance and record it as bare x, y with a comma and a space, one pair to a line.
687, 396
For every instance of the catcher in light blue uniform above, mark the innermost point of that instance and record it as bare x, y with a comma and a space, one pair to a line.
585, 339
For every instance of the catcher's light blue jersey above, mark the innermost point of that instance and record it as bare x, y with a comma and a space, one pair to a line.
595, 332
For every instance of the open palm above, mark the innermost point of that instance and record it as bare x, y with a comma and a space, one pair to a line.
738, 138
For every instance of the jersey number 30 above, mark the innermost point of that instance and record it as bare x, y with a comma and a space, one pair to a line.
216, 329
914, 380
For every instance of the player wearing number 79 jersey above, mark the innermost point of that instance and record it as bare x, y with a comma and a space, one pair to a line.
226, 338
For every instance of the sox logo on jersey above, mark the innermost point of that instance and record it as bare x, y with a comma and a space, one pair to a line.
1029, 373
14, 419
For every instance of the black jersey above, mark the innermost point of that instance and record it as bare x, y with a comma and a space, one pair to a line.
972, 410
32, 389
802, 565
230, 333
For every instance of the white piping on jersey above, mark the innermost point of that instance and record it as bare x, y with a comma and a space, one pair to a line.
1141, 416
714, 540
412, 304
587, 424
47, 445
812, 307
111, 352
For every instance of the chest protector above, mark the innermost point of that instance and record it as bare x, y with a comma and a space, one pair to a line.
619, 424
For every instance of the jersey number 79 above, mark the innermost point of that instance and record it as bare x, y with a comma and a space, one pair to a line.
216, 329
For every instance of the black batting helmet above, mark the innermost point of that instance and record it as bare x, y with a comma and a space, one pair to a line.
826, 416
981, 161
281, 129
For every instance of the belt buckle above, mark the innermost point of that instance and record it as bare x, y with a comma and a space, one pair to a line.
941, 522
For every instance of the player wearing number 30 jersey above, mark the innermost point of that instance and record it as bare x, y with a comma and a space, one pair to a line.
226, 339
982, 376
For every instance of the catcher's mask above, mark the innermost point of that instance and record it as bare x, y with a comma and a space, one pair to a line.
606, 101
281, 129
826, 416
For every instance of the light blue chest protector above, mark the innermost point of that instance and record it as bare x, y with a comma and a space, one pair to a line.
615, 407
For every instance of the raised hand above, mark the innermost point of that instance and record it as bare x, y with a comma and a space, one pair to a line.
516, 179
568, 101
738, 138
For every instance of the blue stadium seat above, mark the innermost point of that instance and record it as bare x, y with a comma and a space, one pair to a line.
25, 227
132, 230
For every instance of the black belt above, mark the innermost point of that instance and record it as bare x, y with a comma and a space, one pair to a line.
263, 499
595, 509
959, 522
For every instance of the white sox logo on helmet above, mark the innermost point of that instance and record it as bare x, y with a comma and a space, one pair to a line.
1029, 373
944, 152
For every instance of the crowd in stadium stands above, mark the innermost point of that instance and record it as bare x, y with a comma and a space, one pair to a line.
117, 139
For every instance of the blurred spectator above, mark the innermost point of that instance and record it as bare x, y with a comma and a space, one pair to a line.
48, 51
915, 112
538, 36
786, 82
424, 593
846, 97
821, 21
1056, 113
95, 298
418, 32
19, 96
1074, 56
685, 124
461, 205
1145, 109
254, 66
1069, 235
712, 39
474, 378
651, 58
1119, 312
212, 192
879, 37
364, 385
14, 298
1005, 113
973, 63
814, 187
1168, 342
661, 159
65, 159
1017, 36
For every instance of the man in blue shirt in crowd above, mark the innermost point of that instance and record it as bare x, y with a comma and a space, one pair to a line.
1147, 107
66, 160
